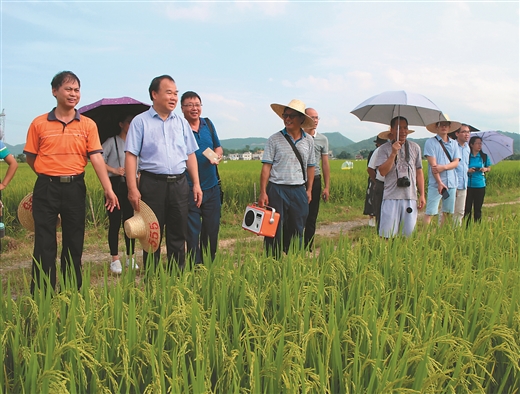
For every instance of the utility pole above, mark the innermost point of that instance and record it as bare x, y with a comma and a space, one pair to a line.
2, 225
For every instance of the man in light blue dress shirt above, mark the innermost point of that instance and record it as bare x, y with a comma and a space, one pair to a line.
165, 146
443, 157
462, 137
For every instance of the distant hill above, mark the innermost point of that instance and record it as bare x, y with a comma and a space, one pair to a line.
253, 143
15, 149
337, 143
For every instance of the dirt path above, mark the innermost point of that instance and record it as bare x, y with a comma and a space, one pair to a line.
11, 261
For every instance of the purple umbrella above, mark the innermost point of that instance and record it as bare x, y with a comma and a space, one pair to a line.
108, 112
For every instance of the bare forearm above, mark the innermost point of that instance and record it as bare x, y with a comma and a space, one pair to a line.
325, 165
11, 170
99, 166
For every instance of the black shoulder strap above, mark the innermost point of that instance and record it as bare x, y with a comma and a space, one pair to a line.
297, 153
212, 130
444, 149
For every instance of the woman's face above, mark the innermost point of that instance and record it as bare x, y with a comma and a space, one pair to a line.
477, 145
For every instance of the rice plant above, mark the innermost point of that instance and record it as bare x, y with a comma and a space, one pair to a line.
438, 312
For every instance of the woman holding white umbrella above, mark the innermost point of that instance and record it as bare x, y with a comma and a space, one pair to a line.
479, 164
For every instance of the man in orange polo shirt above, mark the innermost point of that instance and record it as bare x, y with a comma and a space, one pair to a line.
58, 147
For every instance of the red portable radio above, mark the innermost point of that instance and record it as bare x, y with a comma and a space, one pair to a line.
261, 221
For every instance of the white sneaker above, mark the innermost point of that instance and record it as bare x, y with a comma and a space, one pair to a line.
372, 221
133, 264
115, 267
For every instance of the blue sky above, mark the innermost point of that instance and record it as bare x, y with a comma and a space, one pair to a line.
243, 56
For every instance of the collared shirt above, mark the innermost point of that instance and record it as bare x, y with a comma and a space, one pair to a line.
434, 149
4, 152
400, 168
61, 148
462, 168
162, 146
206, 139
477, 179
286, 168
321, 148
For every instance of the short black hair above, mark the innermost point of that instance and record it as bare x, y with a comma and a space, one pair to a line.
62, 77
393, 122
189, 94
156, 82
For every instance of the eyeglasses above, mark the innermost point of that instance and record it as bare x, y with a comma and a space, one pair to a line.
315, 117
191, 105
290, 116
443, 124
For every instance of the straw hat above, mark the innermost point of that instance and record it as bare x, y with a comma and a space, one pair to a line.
432, 127
145, 227
25, 213
298, 106
385, 135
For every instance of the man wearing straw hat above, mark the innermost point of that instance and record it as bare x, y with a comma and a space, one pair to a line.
399, 161
165, 146
376, 193
443, 157
287, 176
57, 148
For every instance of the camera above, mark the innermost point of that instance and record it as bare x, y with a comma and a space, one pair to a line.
403, 182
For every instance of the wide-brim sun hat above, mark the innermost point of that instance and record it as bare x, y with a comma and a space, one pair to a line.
432, 127
145, 227
25, 213
298, 106
385, 135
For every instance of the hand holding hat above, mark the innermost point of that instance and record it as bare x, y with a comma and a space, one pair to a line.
145, 227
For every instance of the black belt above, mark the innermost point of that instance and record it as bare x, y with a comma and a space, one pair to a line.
164, 177
64, 178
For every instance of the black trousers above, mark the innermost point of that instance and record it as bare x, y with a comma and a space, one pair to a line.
475, 199
50, 198
118, 216
377, 199
314, 207
169, 202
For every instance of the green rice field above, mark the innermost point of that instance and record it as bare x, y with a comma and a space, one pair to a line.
438, 312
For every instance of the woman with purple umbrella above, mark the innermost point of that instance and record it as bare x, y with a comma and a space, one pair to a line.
479, 164
114, 155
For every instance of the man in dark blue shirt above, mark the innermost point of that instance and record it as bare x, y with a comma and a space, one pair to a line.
203, 221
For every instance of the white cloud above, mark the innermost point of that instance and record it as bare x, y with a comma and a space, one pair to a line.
219, 99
